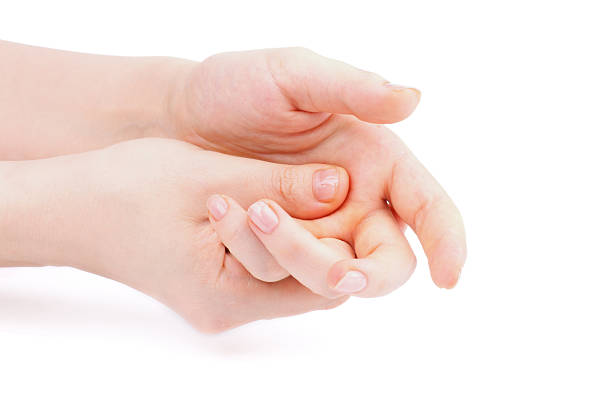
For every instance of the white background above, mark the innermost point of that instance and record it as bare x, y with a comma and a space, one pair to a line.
515, 121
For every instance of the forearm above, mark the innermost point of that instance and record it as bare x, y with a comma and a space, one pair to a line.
50, 99
43, 211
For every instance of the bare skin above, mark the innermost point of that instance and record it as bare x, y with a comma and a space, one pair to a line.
287, 105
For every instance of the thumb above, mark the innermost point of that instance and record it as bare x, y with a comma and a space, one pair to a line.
318, 84
304, 191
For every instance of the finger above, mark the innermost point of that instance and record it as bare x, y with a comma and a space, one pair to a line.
318, 84
305, 257
385, 261
422, 203
230, 222
305, 191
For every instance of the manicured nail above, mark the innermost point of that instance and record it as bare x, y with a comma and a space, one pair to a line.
325, 184
217, 207
352, 282
263, 216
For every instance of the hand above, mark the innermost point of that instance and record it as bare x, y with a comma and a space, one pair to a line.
284, 106
136, 213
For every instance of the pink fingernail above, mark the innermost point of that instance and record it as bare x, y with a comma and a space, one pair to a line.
263, 216
325, 184
217, 207
352, 282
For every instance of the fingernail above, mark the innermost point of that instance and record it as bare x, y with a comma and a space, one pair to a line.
263, 216
395, 86
352, 282
217, 207
325, 184
399, 87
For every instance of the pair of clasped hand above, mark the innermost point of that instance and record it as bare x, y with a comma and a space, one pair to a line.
249, 186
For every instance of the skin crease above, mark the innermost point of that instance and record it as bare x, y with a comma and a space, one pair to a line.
136, 213
264, 105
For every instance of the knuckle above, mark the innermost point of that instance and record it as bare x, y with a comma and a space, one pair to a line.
288, 183
282, 58
425, 206
284, 61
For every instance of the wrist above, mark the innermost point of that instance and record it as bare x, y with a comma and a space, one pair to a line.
148, 96
179, 114
13, 204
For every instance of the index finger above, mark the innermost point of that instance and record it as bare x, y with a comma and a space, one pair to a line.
305, 257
